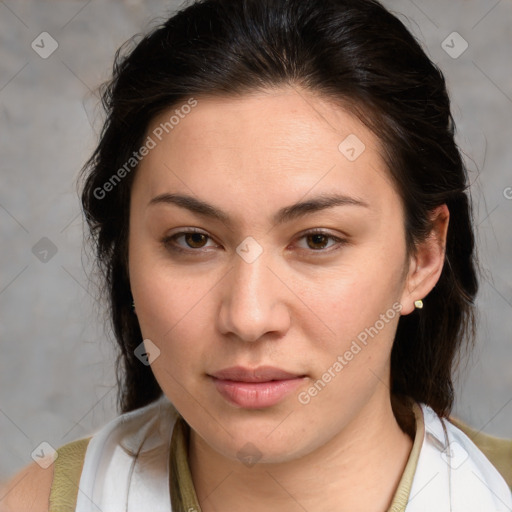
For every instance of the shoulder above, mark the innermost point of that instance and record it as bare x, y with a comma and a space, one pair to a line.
132, 451
456, 471
28, 491
497, 450
37, 489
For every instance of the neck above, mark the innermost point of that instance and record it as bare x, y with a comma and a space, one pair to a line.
372, 448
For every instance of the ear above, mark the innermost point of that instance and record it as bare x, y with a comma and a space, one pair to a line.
426, 263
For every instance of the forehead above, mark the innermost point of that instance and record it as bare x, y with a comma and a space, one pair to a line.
277, 144
279, 120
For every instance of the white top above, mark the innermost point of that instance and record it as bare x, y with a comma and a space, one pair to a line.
452, 474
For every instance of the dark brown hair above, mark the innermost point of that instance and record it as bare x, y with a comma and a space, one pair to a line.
353, 51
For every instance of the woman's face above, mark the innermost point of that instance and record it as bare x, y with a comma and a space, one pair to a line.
255, 286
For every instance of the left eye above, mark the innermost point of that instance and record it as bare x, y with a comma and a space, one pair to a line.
319, 238
315, 240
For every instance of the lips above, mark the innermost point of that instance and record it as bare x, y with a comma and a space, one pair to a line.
260, 374
256, 388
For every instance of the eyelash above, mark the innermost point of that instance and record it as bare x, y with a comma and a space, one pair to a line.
168, 241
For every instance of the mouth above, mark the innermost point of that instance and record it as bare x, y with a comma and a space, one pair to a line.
256, 388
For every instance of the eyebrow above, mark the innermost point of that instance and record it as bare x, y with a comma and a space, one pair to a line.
285, 214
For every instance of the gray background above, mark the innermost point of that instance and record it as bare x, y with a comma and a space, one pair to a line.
56, 364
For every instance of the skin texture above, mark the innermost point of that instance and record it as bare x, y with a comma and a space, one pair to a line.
28, 490
297, 306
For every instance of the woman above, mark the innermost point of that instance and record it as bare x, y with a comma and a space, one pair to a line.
281, 215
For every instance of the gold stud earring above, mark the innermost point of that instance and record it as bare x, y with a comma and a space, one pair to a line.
418, 304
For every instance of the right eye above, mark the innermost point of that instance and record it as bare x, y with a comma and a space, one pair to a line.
194, 240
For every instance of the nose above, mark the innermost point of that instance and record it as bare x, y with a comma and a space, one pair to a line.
253, 301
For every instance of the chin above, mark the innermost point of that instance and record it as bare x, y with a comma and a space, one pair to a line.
262, 440
262, 451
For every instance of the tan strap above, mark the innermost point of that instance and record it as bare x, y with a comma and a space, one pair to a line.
67, 470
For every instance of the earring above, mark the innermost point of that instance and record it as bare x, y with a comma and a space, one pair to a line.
418, 304
133, 306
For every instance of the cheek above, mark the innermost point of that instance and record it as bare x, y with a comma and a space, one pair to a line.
360, 305
348, 300
170, 307
165, 294
351, 360
171, 314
